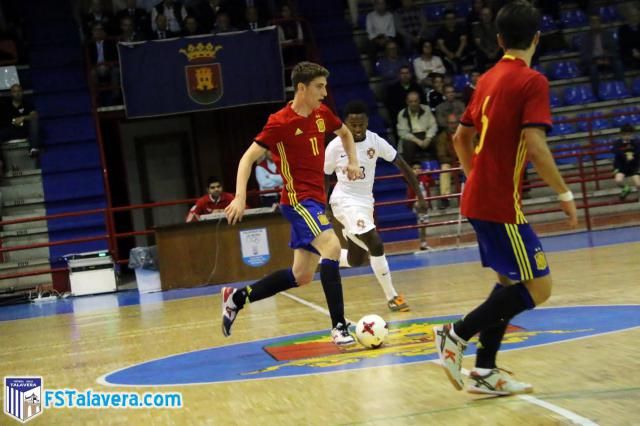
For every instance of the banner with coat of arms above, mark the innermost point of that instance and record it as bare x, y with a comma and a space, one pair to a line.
201, 73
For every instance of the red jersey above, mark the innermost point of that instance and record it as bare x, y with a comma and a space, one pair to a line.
298, 145
206, 205
508, 97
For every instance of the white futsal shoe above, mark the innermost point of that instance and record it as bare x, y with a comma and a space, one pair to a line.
341, 336
497, 382
229, 310
450, 351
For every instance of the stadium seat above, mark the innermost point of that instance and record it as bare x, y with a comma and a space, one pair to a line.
548, 24
578, 95
635, 86
622, 118
434, 12
613, 90
463, 8
573, 18
564, 149
564, 69
634, 116
554, 100
596, 119
432, 165
608, 13
460, 81
560, 128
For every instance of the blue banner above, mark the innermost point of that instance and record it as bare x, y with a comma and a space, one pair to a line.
201, 73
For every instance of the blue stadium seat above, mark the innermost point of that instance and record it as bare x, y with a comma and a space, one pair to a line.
635, 86
597, 121
463, 8
621, 119
634, 116
554, 100
586, 94
560, 128
539, 68
434, 12
564, 149
608, 13
432, 165
548, 24
460, 81
573, 18
564, 69
377, 125
613, 90
578, 95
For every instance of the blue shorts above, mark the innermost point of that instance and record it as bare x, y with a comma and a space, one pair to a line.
307, 221
511, 250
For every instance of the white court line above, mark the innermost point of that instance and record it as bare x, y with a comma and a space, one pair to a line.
569, 415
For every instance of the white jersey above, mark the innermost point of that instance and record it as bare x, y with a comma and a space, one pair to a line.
357, 192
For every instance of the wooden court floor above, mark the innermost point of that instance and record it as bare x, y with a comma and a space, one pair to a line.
595, 379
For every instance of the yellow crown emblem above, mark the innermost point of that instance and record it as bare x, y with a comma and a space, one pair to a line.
200, 51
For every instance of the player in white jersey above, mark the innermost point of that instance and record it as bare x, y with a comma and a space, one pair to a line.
352, 201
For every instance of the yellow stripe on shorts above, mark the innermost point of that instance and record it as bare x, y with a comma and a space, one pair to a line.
315, 229
526, 273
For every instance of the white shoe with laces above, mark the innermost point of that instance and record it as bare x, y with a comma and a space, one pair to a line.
341, 336
497, 382
450, 350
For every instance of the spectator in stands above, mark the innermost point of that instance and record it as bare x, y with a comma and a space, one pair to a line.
426, 64
191, 27
626, 161
600, 50
416, 130
389, 65
629, 37
269, 178
253, 21
215, 200
484, 36
139, 17
208, 11
102, 55
223, 24
453, 43
127, 31
238, 11
435, 94
175, 13
470, 87
424, 181
289, 30
411, 24
97, 15
396, 96
474, 16
447, 157
162, 29
19, 120
380, 28
450, 106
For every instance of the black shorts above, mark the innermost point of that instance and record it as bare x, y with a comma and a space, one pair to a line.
629, 171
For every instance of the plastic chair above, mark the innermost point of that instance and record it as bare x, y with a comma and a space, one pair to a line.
434, 12
548, 24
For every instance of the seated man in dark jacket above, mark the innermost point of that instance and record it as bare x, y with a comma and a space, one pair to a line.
20, 120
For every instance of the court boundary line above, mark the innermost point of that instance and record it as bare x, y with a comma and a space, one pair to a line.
567, 414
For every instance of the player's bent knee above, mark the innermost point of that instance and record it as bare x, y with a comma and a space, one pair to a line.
303, 278
359, 259
540, 289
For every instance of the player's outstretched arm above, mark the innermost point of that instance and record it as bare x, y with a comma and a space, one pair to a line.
543, 161
353, 168
463, 145
413, 181
235, 210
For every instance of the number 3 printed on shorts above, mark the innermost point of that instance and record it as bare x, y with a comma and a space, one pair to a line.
485, 125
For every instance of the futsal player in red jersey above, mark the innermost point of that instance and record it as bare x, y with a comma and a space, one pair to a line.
510, 112
296, 135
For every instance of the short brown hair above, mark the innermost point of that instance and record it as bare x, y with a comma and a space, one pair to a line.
305, 72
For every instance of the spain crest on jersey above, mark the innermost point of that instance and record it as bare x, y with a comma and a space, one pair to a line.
204, 77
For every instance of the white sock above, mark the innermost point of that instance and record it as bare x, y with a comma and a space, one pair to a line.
380, 267
482, 371
344, 262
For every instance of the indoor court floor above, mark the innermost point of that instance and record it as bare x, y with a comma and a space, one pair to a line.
580, 351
